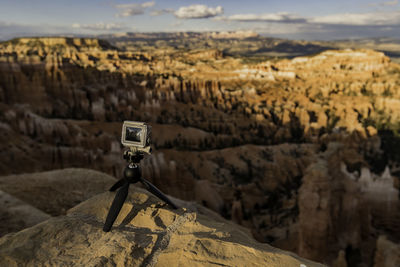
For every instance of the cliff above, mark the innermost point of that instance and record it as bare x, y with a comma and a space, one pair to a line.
146, 233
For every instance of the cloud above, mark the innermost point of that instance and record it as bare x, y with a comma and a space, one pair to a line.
198, 12
9, 30
378, 18
162, 12
322, 31
177, 24
282, 17
99, 26
360, 19
127, 10
328, 27
148, 4
390, 3
387, 3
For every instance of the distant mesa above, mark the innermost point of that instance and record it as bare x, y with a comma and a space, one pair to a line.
162, 35
62, 41
232, 35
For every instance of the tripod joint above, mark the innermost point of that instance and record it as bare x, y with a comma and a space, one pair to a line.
133, 165
133, 156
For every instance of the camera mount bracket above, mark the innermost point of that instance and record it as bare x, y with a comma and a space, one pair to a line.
132, 174
132, 155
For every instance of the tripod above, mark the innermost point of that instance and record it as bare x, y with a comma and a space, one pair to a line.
132, 174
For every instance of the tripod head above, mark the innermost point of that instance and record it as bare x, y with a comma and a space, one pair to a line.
132, 155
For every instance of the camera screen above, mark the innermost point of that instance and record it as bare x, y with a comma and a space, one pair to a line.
133, 134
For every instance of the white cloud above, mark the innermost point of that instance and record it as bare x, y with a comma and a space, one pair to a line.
162, 12
387, 3
279, 28
390, 3
378, 18
10, 30
268, 17
148, 4
198, 12
99, 26
127, 10
333, 26
360, 19
177, 24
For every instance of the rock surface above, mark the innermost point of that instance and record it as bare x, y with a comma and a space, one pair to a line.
16, 215
54, 192
333, 211
146, 233
387, 253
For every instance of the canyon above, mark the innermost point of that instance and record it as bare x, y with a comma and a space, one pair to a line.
301, 151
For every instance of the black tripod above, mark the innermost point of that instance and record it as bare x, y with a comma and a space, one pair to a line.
132, 174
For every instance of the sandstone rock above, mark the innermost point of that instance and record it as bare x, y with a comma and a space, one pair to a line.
16, 215
387, 253
146, 233
232, 34
341, 260
54, 192
208, 196
333, 214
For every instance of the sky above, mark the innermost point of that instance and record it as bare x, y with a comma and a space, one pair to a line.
292, 19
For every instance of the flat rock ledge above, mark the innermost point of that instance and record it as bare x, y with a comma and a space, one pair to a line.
146, 233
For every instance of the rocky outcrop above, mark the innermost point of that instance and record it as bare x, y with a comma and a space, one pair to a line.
146, 233
332, 212
54, 192
387, 253
16, 215
232, 35
338, 213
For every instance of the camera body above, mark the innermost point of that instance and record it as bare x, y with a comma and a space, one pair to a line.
136, 136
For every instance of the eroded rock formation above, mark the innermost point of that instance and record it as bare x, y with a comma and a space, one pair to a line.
54, 192
16, 215
246, 139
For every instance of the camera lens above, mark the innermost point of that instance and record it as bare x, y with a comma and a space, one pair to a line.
133, 134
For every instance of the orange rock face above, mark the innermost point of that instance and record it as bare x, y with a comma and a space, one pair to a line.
288, 148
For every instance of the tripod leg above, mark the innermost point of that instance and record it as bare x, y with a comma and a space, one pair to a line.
117, 185
154, 190
116, 207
